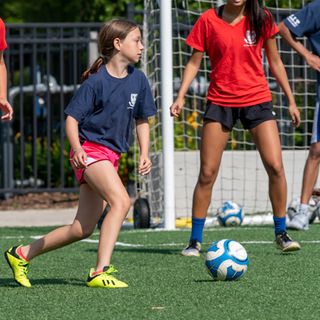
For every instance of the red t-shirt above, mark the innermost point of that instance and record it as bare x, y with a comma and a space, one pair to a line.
237, 76
3, 44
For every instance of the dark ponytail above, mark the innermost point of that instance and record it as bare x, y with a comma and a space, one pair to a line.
260, 19
93, 69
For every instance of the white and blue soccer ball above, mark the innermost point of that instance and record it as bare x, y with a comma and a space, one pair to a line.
227, 260
230, 214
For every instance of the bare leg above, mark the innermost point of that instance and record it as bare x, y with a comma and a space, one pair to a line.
213, 142
266, 138
311, 171
89, 211
105, 181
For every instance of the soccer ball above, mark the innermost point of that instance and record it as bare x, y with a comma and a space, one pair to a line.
230, 214
227, 260
314, 208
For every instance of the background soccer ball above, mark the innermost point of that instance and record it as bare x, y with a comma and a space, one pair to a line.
314, 208
230, 214
227, 260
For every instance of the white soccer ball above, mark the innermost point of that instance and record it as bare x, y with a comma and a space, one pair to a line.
230, 214
314, 208
227, 260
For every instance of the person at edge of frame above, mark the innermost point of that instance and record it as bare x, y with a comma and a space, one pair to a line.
5, 106
306, 22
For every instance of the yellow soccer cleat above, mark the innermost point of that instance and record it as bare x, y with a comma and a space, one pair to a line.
105, 279
18, 266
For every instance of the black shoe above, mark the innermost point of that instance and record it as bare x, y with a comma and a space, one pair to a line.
285, 243
193, 249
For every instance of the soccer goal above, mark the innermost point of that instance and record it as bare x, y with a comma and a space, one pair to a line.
175, 143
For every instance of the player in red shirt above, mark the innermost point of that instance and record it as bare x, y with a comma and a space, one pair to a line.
233, 37
5, 106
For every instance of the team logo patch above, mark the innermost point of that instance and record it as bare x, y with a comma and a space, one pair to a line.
133, 99
293, 20
250, 38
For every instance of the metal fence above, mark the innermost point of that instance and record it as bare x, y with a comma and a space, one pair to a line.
44, 63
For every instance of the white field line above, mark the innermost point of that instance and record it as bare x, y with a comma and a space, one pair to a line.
171, 244
185, 230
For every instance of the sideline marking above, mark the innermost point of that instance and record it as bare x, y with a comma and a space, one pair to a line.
171, 244
124, 244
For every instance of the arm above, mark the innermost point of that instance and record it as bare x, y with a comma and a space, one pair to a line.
4, 104
279, 72
189, 73
143, 135
72, 132
312, 60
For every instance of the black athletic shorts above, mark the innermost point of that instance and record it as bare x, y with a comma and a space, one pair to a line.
250, 116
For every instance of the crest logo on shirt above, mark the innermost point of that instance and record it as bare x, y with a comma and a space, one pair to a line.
133, 99
250, 38
294, 20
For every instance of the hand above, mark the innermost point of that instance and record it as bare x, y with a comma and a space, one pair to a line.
6, 108
176, 107
313, 61
295, 115
79, 158
144, 165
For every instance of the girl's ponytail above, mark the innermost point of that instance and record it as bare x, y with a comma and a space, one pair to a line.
93, 69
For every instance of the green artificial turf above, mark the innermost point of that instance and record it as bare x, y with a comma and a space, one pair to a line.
162, 283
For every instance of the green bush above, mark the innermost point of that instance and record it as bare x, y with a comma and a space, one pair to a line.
40, 148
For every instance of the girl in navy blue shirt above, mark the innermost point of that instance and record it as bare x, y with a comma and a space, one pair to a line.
99, 125
306, 22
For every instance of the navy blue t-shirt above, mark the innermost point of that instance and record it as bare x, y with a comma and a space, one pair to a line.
306, 22
105, 107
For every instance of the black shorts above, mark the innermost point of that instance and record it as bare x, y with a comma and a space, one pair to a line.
250, 116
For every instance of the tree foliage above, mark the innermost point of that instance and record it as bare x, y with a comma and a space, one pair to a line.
89, 11
65, 11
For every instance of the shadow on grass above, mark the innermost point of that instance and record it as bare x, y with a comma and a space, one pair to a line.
204, 280
9, 282
288, 254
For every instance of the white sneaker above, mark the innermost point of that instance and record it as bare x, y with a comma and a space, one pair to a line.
300, 221
192, 250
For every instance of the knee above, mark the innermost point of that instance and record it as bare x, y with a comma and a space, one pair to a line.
207, 176
126, 204
81, 231
86, 232
123, 205
314, 152
276, 169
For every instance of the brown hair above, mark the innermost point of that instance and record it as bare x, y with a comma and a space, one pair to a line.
117, 28
260, 19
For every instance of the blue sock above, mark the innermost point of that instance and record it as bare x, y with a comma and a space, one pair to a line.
279, 225
197, 229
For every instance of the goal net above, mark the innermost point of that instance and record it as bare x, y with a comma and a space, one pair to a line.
242, 177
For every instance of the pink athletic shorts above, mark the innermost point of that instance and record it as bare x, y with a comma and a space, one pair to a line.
95, 152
